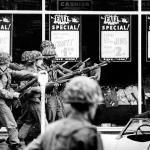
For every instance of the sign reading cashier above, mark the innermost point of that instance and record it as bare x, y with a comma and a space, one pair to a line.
65, 34
74, 4
5, 33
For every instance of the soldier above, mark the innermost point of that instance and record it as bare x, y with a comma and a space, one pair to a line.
6, 97
39, 60
75, 131
54, 106
31, 116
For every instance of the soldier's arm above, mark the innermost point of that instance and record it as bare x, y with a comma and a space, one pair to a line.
22, 75
96, 73
60, 73
15, 66
64, 70
5, 94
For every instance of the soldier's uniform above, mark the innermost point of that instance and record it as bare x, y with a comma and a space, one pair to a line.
96, 73
32, 106
74, 132
6, 97
54, 106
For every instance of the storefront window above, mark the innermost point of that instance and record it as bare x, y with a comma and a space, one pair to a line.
119, 79
99, 5
145, 5
20, 5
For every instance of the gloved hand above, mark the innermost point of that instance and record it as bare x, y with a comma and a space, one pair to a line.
16, 95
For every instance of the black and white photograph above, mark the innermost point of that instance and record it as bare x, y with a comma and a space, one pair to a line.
74, 74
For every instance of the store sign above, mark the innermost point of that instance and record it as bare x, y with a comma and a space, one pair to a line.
74, 4
65, 34
148, 38
115, 37
5, 33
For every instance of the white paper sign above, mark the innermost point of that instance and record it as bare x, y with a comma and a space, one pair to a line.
5, 41
115, 44
67, 43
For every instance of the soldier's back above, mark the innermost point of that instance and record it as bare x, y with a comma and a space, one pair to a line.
70, 133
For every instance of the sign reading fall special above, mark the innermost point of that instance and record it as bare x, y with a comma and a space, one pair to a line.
65, 31
148, 38
74, 4
115, 37
5, 33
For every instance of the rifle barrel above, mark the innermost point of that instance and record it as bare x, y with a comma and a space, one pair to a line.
79, 64
64, 63
85, 70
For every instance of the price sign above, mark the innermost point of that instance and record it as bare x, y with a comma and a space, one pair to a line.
5, 33
115, 38
65, 34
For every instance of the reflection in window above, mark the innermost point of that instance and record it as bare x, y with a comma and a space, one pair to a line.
20, 4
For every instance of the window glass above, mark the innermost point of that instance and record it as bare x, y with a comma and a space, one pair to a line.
101, 5
20, 4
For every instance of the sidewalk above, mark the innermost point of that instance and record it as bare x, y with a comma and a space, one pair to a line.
4, 134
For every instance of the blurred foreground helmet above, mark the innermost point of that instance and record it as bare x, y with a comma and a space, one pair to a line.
37, 55
45, 44
82, 89
48, 52
4, 58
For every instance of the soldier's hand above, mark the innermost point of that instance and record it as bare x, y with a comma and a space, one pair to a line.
16, 95
82, 66
56, 84
16, 103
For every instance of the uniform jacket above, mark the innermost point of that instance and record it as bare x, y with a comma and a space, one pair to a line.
5, 80
72, 133
33, 93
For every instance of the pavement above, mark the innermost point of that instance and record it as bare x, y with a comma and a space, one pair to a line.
4, 135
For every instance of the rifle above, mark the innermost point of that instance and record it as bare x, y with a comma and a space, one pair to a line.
64, 63
34, 80
85, 70
50, 84
30, 83
79, 64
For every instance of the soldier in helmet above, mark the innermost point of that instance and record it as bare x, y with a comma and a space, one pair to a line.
75, 131
54, 106
38, 60
31, 112
7, 95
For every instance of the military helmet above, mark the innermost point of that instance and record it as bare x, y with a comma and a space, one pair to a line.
26, 56
82, 89
31, 56
48, 52
47, 43
37, 55
5, 58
